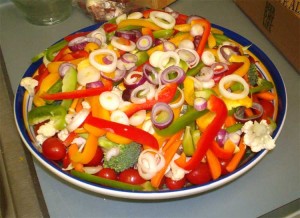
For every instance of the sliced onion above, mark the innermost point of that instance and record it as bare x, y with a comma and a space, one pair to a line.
80, 42
99, 34
130, 35
206, 73
219, 68
64, 67
107, 68
173, 71
96, 84
230, 95
129, 58
227, 50
137, 118
240, 113
208, 58
221, 137
186, 43
119, 117
109, 100
168, 46
135, 15
200, 104
87, 75
162, 115
162, 19
134, 79
208, 84
142, 93
128, 48
78, 119
196, 30
155, 58
179, 102
92, 170
115, 76
167, 59
144, 42
190, 56
151, 74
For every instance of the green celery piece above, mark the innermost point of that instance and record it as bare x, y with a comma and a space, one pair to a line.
69, 83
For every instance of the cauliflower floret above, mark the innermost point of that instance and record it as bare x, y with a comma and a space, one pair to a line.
29, 84
63, 134
79, 141
258, 135
175, 172
45, 131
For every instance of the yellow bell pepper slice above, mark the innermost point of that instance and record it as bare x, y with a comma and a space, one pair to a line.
189, 92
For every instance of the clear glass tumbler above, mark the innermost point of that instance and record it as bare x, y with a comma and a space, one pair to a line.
45, 12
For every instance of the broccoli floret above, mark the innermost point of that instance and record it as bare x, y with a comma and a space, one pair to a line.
119, 156
253, 75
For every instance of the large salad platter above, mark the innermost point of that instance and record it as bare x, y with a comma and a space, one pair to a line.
151, 105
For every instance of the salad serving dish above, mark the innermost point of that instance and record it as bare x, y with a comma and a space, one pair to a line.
23, 104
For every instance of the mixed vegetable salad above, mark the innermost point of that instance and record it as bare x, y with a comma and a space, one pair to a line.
152, 100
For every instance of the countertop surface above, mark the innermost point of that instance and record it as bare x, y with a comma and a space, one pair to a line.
273, 182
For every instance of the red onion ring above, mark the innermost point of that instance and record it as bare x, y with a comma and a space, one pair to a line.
129, 58
168, 46
228, 50
240, 113
151, 74
167, 117
130, 35
96, 84
165, 75
117, 75
222, 137
80, 42
219, 68
64, 67
134, 79
144, 42
206, 74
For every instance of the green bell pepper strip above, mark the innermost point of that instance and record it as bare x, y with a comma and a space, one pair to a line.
138, 135
55, 88
130, 27
195, 70
56, 113
112, 183
217, 106
181, 122
264, 85
78, 93
50, 52
234, 127
142, 57
163, 33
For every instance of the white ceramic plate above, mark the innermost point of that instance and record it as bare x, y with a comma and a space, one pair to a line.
23, 104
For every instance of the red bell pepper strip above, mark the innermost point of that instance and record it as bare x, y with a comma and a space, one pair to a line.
217, 106
231, 68
60, 54
166, 95
42, 74
133, 133
75, 35
181, 19
207, 26
78, 93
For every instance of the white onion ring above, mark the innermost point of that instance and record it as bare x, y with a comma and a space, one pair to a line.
78, 119
157, 16
107, 68
180, 102
115, 43
165, 59
230, 95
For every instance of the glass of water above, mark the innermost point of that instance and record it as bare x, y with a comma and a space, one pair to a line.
45, 12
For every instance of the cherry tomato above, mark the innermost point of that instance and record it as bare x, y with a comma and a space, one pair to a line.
107, 173
175, 184
199, 175
66, 161
131, 176
97, 159
268, 107
53, 149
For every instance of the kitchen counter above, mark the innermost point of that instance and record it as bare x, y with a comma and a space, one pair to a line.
272, 183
